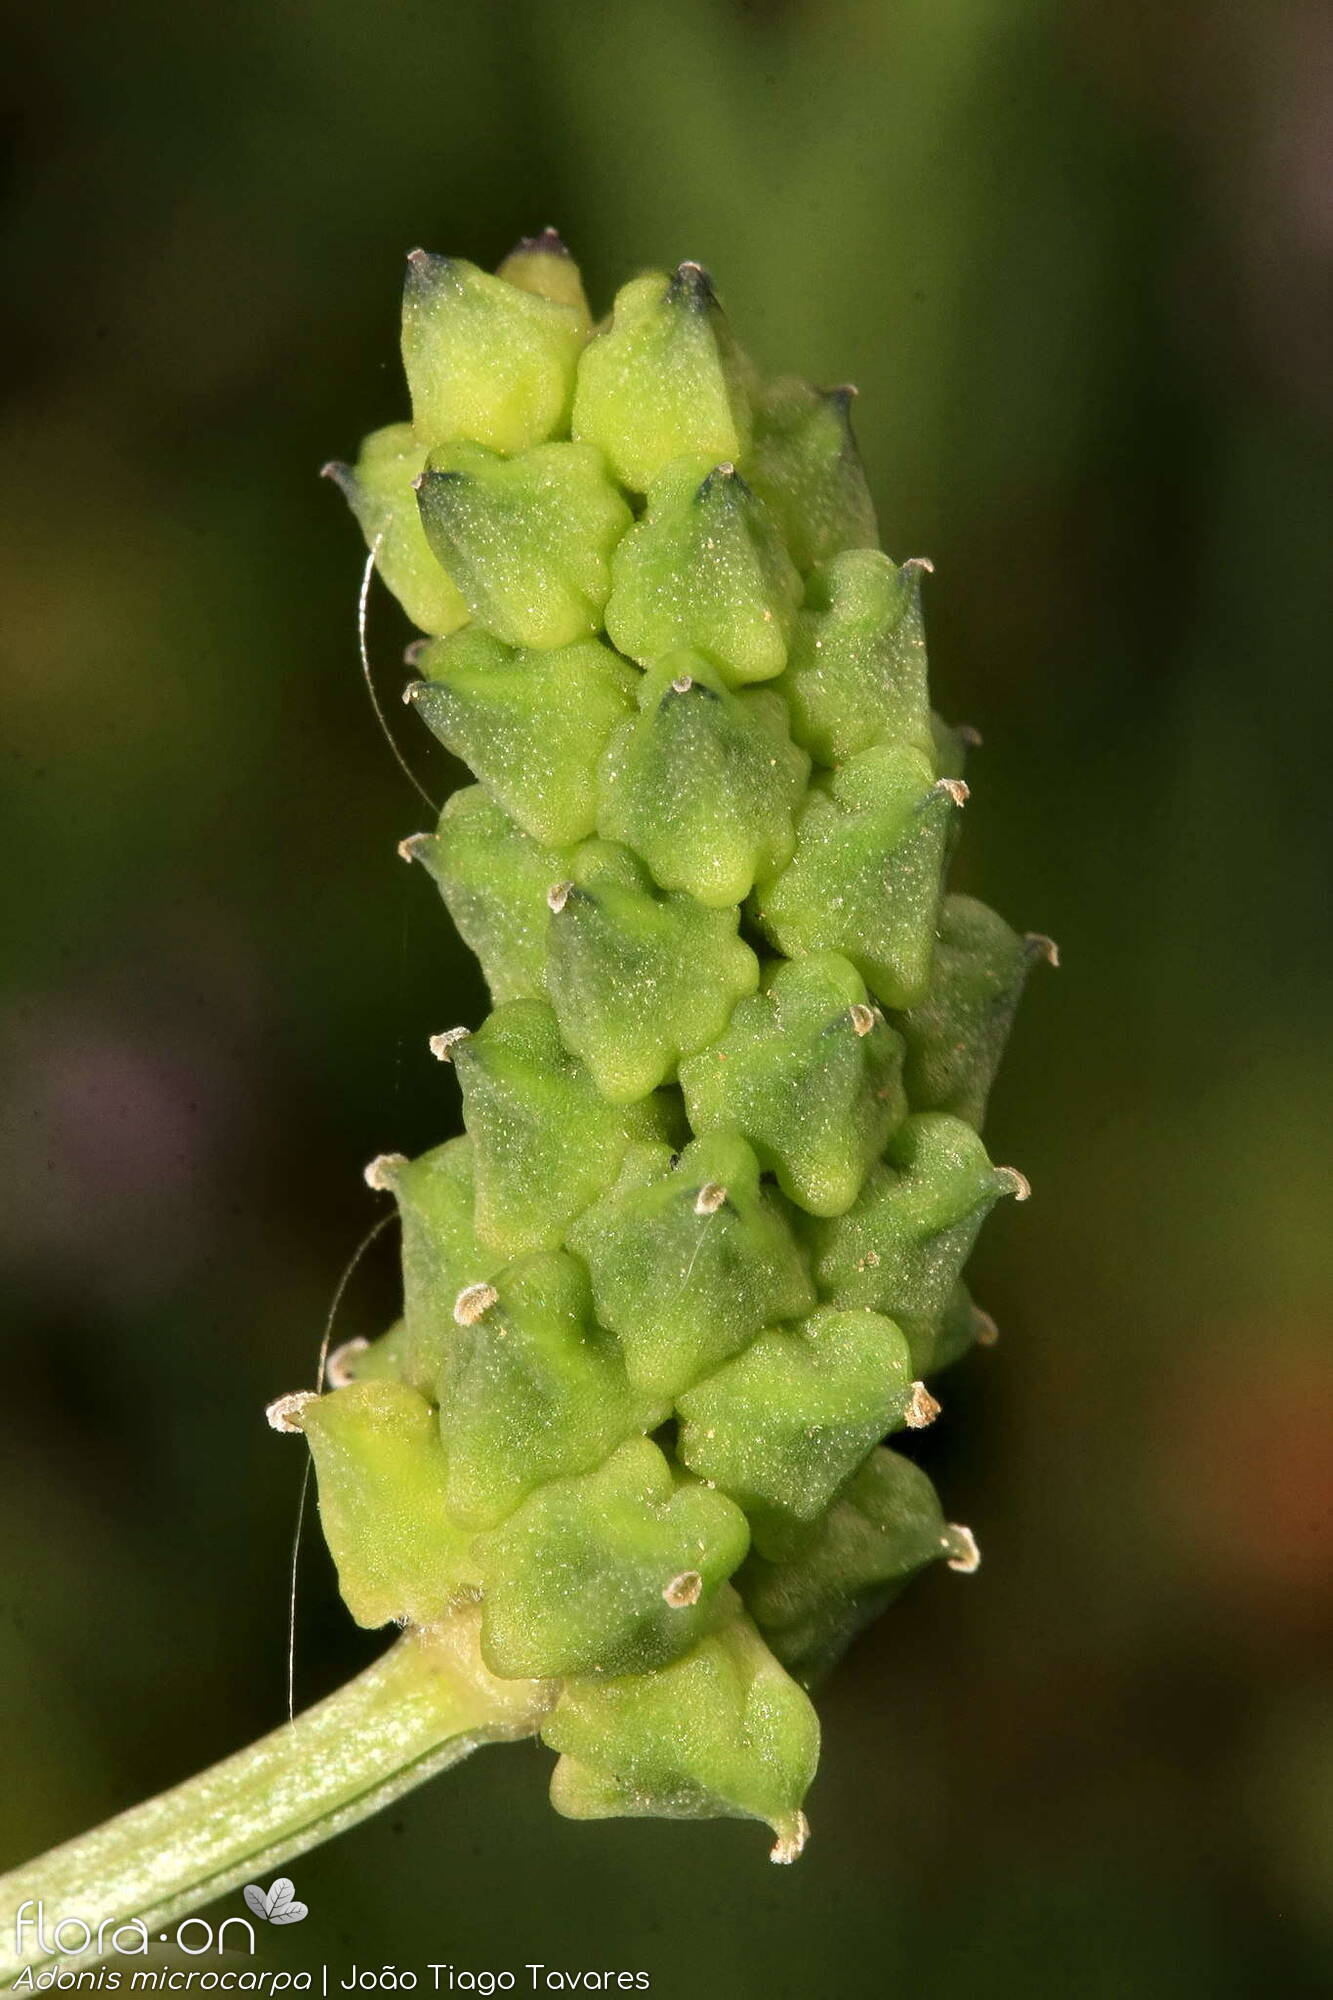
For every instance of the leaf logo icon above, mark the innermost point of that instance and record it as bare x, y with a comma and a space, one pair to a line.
277, 1905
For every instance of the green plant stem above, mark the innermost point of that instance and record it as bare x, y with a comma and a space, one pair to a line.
423, 1706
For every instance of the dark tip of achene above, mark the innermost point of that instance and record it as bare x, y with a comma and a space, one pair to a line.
434, 484
842, 397
547, 243
692, 286
685, 684
723, 479
425, 270
840, 401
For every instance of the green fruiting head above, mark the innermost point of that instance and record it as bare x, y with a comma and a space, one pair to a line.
702, 1241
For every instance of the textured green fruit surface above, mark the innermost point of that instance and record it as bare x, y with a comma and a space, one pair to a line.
703, 1236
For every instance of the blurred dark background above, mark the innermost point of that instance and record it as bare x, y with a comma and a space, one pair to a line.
1077, 258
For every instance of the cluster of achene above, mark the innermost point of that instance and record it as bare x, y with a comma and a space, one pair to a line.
701, 1242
